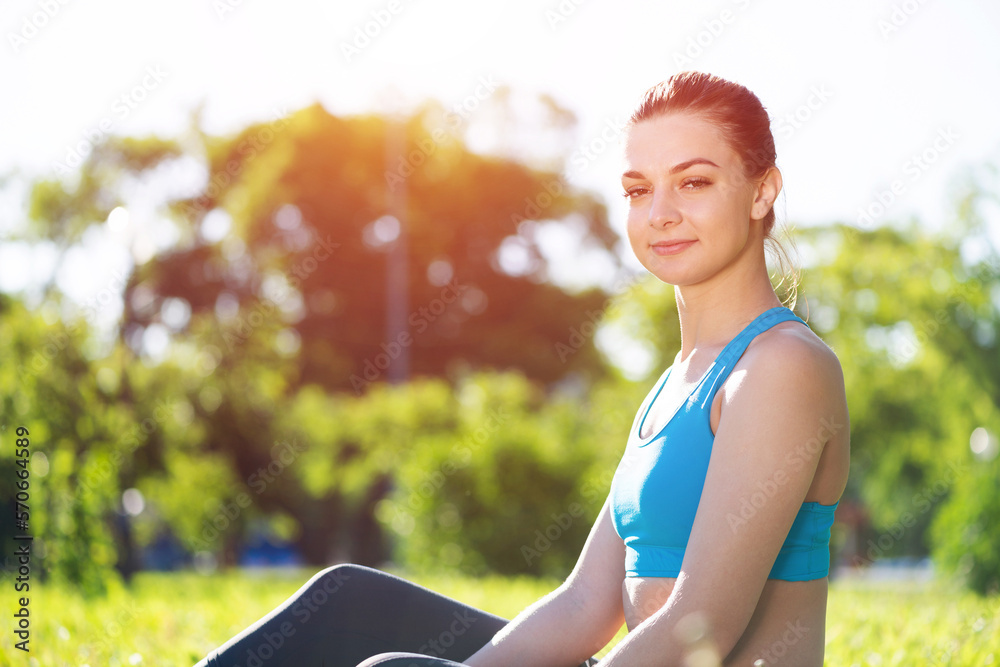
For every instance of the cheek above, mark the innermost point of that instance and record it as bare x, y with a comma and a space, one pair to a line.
709, 208
636, 228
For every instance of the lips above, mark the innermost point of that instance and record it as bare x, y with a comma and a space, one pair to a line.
671, 247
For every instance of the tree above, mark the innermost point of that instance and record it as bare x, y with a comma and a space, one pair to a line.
276, 282
310, 199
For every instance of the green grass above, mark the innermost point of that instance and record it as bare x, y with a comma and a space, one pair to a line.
174, 619
910, 624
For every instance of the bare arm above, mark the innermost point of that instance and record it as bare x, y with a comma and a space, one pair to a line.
576, 620
768, 415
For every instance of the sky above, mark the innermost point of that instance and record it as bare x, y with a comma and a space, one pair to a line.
879, 107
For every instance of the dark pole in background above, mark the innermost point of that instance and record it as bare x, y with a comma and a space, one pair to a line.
397, 260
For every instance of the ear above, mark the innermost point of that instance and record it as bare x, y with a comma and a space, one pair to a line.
766, 193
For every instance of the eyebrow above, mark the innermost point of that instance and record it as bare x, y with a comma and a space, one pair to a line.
675, 169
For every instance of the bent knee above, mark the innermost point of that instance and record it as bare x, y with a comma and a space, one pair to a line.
337, 577
330, 589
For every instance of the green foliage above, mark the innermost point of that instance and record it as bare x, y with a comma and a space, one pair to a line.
964, 530
286, 309
646, 313
355, 439
49, 388
494, 450
922, 372
488, 475
191, 496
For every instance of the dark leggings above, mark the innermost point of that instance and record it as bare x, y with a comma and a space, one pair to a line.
349, 614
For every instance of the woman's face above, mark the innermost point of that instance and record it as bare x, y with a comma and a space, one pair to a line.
690, 205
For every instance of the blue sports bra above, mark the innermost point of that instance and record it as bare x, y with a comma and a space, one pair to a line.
658, 483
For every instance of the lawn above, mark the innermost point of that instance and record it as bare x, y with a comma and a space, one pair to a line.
173, 619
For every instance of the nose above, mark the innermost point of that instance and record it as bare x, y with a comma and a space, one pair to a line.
663, 210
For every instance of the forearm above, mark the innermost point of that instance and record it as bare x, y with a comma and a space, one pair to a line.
643, 646
691, 622
555, 630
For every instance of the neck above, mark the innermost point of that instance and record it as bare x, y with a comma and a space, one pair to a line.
714, 312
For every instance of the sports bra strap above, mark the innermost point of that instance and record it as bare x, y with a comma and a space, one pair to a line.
731, 353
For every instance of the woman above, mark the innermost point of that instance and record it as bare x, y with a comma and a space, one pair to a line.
717, 527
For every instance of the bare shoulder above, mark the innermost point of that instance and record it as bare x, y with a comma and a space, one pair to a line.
795, 358
789, 376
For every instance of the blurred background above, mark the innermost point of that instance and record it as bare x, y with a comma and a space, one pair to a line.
301, 283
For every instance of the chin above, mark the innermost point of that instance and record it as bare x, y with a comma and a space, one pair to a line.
670, 274
670, 277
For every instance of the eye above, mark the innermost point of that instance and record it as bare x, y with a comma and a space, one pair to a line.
635, 191
695, 183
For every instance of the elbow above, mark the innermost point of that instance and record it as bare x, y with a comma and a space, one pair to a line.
698, 631
708, 618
